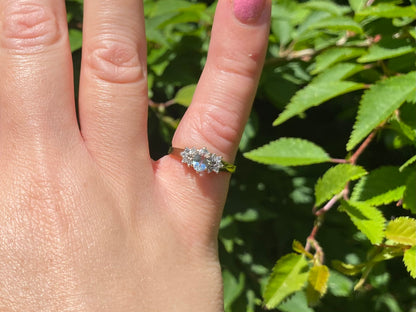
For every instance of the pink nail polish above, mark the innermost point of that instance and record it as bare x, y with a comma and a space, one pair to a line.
248, 10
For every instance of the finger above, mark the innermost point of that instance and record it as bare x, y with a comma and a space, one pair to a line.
113, 90
226, 90
218, 112
36, 88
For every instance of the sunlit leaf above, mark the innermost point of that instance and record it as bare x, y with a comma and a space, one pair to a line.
368, 219
409, 260
75, 39
378, 103
298, 247
347, 268
388, 10
315, 94
184, 95
327, 6
289, 152
338, 23
402, 230
378, 253
381, 186
318, 278
335, 55
337, 72
376, 53
357, 5
408, 163
289, 275
334, 181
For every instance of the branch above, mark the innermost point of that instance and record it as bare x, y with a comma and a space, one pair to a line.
163, 104
330, 204
363, 146
338, 161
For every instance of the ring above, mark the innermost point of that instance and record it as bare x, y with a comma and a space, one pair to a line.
202, 160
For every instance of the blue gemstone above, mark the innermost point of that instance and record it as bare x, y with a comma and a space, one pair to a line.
199, 166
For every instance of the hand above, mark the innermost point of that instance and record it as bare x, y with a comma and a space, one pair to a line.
88, 222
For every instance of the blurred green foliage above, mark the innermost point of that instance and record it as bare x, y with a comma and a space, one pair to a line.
337, 74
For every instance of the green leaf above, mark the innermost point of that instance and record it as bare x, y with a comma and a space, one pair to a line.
233, 287
339, 285
298, 247
312, 296
249, 133
318, 278
315, 94
389, 303
409, 260
335, 55
289, 152
378, 254
357, 5
289, 275
296, 303
388, 10
328, 6
168, 6
409, 196
377, 53
184, 95
378, 103
303, 32
338, 23
75, 39
381, 186
334, 181
337, 72
282, 29
408, 163
368, 219
403, 129
402, 230
347, 268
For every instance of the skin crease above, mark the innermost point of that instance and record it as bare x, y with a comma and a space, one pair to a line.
88, 222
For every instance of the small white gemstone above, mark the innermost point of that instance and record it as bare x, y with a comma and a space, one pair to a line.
201, 160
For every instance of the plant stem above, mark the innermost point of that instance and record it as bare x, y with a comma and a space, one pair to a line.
311, 240
329, 204
363, 146
339, 161
164, 104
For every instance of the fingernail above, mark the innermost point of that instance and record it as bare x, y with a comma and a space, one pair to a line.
248, 11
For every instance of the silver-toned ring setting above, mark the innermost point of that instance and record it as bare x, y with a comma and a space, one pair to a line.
202, 160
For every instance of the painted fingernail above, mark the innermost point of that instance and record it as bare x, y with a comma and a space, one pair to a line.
248, 11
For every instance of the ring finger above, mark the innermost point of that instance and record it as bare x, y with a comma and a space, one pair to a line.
219, 109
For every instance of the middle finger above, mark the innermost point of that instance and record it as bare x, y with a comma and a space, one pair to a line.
113, 88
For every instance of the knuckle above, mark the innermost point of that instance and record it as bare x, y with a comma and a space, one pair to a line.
115, 61
237, 64
28, 25
219, 128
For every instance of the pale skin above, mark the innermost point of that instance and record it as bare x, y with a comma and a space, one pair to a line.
88, 221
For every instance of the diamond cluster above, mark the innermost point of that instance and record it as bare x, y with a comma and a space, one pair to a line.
202, 160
